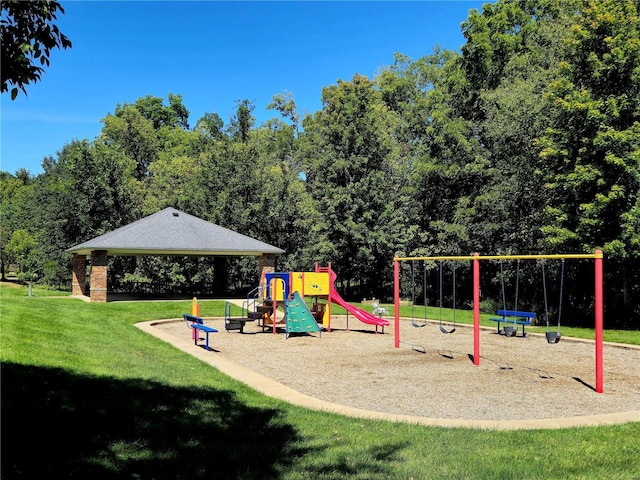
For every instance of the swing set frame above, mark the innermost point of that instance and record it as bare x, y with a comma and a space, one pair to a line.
476, 258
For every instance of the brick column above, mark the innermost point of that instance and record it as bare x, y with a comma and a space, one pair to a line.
267, 263
98, 276
79, 280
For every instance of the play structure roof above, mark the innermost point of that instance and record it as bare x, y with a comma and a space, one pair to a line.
172, 232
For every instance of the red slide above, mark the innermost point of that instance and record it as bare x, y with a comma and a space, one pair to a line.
360, 314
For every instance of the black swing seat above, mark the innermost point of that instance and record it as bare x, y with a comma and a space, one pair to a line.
444, 330
418, 325
553, 337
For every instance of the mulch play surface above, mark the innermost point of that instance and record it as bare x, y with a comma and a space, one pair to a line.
432, 374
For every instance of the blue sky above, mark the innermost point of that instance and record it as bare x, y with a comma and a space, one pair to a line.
212, 53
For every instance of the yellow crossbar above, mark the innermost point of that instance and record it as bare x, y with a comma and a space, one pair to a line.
559, 256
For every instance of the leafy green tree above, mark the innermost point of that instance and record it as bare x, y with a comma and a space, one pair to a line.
20, 248
137, 129
28, 36
277, 206
134, 135
590, 152
510, 57
350, 159
210, 124
154, 109
405, 87
179, 110
286, 105
13, 190
243, 120
438, 149
169, 182
83, 193
473, 159
450, 172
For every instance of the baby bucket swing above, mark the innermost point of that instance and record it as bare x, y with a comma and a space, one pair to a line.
510, 330
553, 337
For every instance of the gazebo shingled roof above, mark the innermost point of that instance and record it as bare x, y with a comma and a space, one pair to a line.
169, 232
172, 232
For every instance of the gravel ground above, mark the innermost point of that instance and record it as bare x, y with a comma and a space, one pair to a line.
432, 374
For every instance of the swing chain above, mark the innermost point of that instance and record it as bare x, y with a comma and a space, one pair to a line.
424, 288
442, 328
441, 293
413, 295
413, 289
504, 299
561, 290
544, 289
454, 294
515, 306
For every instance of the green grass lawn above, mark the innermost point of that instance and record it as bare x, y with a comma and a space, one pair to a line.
85, 394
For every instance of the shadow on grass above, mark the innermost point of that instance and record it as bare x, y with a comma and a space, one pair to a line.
59, 425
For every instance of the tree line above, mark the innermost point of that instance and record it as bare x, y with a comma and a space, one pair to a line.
526, 141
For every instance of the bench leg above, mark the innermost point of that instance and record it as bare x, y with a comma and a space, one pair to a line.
206, 341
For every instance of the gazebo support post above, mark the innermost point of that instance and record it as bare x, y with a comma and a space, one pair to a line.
98, 276
79, 280
267, 264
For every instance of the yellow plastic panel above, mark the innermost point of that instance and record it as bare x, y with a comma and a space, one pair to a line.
280, 291
296, 282
310, 283
316, 283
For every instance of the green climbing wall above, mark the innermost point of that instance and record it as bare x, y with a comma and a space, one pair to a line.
299, 318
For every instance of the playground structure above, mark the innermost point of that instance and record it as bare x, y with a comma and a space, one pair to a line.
289, 289
475, 260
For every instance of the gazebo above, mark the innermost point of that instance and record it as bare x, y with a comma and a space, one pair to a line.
168, 232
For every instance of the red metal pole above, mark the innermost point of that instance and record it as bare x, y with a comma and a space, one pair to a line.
396, 302
599, 320
476, 310
329, 300
273, 319
274, 295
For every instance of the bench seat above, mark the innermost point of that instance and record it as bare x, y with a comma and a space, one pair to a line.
197, 325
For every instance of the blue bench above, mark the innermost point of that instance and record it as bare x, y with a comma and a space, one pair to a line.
197, 325
514, 317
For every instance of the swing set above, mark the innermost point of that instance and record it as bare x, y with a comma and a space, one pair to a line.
552, 336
